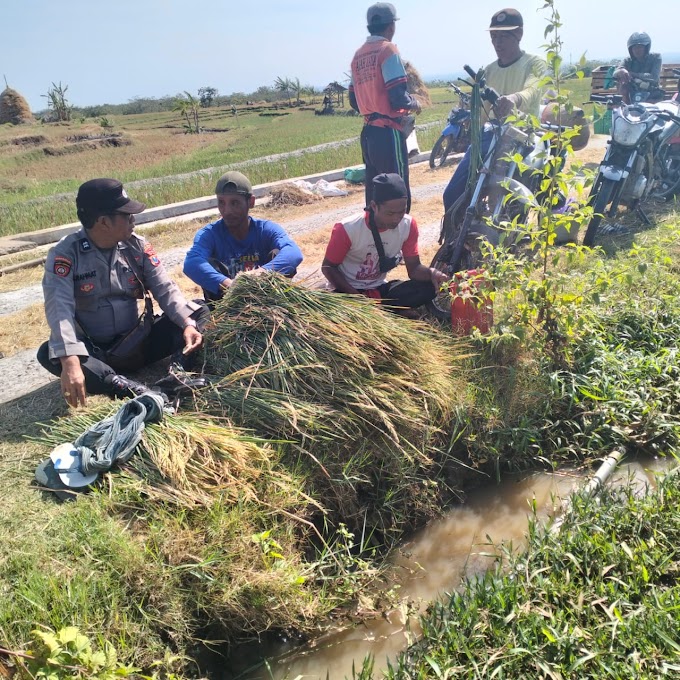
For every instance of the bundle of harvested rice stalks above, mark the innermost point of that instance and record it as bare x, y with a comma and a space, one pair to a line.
186, 459
291, 194
364, 394
416, 86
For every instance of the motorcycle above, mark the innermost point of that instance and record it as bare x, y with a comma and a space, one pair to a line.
667, 176
455, 137
499, 195
642, 160
641, 90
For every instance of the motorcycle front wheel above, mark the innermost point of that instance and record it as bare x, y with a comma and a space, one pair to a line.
440, 151
668, 184
440, 306
602, 200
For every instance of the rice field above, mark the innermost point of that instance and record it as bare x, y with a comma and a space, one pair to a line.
37, 189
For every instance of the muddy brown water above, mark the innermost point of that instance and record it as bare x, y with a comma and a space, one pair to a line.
430, 564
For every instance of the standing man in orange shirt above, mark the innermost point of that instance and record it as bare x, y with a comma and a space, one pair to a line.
378, 92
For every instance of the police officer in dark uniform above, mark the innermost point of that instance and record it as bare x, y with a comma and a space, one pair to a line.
93, 281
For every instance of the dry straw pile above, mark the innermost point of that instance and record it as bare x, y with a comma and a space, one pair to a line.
416, 86
193, 497
322, 409
291, 194
187, 459
14, 108
355, 400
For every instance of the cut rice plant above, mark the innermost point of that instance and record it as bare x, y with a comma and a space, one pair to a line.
186, 459
363, 396
194, 502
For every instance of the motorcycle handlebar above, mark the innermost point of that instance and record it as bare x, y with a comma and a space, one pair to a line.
606, 98
458, 91
487, 93
490, 95
667, 115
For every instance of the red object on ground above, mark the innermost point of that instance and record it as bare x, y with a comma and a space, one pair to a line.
471, 305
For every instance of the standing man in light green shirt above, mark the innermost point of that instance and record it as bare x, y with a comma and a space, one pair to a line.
515, 75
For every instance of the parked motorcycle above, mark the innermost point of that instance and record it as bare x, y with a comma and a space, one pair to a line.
641, 160
667, 175
499, 194
455, 137
641, 90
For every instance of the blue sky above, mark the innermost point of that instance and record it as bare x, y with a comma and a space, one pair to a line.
110, 52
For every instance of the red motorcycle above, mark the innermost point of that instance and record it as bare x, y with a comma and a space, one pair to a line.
667, 161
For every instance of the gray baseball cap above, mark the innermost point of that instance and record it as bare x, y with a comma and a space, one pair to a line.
233, 182
381, 13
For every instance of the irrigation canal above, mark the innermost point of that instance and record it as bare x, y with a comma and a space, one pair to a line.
431, 563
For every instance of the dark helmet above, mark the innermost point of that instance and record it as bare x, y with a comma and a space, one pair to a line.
639, 39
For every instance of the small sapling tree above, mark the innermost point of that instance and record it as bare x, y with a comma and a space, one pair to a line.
188, 107
57, 102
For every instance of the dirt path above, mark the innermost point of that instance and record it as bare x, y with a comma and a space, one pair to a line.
20, 373
314, 217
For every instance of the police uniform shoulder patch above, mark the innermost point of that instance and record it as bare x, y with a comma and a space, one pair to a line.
151, 254
62, 265
85, 245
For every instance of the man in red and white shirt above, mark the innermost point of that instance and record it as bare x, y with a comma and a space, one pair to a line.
354, 264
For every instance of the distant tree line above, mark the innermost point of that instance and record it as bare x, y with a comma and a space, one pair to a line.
286, 88
207, 96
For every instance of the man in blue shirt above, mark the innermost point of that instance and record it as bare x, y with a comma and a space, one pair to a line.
237, 242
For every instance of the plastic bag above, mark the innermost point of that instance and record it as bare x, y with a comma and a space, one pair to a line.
320, 188
355, 175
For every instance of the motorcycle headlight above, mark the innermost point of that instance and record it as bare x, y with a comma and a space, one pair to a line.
627, 132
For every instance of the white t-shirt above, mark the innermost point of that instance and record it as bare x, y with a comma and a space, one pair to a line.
352, 248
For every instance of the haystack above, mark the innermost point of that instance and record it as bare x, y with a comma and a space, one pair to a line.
416, 86
14, 108
291, 194
363, 397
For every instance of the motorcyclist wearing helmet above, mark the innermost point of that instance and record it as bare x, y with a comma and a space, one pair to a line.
639, 73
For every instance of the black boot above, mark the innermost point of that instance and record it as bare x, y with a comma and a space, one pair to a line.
122, 387
178, 382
